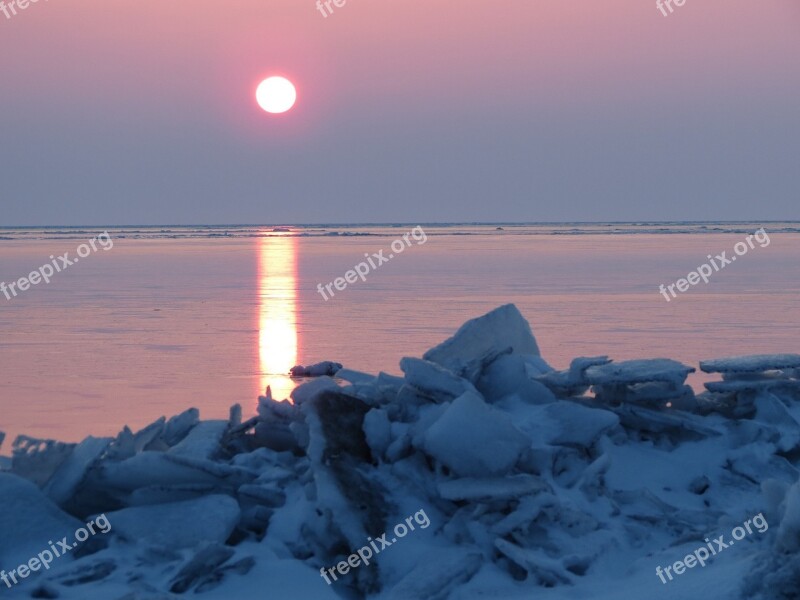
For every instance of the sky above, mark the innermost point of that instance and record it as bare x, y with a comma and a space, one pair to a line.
142, 112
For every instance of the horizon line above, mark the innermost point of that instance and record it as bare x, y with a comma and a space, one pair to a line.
401, 224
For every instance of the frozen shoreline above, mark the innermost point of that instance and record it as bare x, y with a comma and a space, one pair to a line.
532, 485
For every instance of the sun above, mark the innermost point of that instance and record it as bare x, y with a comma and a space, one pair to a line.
276, 95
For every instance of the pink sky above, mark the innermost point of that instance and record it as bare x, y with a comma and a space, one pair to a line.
415, 52
178, 70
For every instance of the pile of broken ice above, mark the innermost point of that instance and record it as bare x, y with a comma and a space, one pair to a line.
536, 482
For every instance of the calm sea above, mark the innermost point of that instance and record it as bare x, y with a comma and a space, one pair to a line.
173, 317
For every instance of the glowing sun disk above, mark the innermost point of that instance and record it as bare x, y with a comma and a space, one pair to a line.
276, 95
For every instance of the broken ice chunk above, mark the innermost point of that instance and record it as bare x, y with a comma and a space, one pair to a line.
751, 364
639, 371
474, 439
28, 519
509, 375
307, 391
327, 367
149, 435
378, 431
37, 460
203, 440
727, 405
577, 425
65, 481
158, 468
479, 341
656, 394
179, 426
355, 376
572, 382
434, 381
179, 524
275, 429
749, 385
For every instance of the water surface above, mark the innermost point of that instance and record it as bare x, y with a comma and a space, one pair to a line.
176, 317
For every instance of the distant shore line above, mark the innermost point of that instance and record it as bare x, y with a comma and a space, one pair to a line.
388, 230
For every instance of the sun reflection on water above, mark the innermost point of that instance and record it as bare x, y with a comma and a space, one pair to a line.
277, 313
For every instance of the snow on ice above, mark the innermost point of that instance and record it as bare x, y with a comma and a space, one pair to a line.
538, 483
